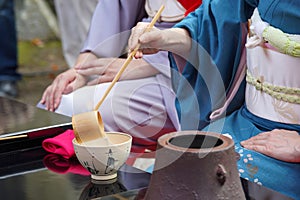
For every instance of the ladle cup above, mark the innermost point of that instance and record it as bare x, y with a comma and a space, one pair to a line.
89, 126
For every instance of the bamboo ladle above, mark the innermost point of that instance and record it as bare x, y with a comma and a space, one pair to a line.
89, 125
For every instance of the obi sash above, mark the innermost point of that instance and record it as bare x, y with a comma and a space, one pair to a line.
273, 83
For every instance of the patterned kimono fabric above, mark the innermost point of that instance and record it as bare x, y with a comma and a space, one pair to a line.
272, 83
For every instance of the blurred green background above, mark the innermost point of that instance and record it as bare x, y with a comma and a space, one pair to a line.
40, 54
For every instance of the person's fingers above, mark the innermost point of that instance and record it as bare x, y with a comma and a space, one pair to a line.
56, 102
51, 98
52, 95
136, 32
259, 148
261, 136
260, 145
258, 139
274, 151
56, 91
48, 96
263, 149
138, 55
44, 96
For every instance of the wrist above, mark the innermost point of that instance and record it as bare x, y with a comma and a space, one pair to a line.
178, 41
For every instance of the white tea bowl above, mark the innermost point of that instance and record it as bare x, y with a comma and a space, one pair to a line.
103, 157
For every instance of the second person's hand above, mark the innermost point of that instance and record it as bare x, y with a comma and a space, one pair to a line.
65, 83
278, 143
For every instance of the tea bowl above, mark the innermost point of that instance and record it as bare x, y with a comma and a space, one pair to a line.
103, 157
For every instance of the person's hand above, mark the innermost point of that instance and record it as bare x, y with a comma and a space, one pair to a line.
149, 42
175, 40
280, 144
65, 83
106, 69
102, 69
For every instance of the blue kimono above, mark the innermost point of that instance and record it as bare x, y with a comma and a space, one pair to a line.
219, 30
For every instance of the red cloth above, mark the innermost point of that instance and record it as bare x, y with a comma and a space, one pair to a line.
61, 165
61, 144
190, 5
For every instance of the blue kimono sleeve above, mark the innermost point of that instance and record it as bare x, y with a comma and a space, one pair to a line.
218, 30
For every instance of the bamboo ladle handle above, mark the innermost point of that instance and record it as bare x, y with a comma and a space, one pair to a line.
89, 126
129, 59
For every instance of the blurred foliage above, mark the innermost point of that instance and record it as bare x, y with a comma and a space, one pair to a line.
34, 57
